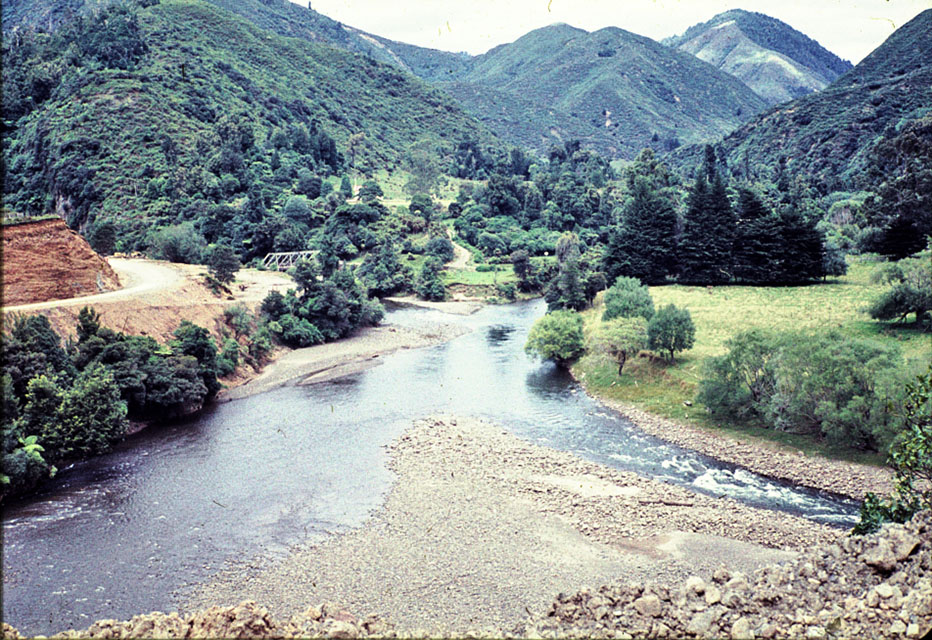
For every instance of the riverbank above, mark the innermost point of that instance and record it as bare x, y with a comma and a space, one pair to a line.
767, 459
481, 529
363, 350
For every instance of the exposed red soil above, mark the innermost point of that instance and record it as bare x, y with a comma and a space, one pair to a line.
45, 260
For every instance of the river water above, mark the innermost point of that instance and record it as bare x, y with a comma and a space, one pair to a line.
127, 532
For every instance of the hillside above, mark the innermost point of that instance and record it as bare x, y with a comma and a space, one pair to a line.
150, 112
826, 139
617, 91
29, 276
778, 62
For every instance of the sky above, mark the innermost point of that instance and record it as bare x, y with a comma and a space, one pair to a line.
850, 29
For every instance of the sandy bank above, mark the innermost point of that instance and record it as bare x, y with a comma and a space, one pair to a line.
359, 352
481, 529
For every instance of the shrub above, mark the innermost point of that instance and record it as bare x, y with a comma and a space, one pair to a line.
507, 290
826, 385
178, 243
911, 459
628, 298
670, 330
557, 336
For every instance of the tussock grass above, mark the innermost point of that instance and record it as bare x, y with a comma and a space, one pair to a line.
720, 313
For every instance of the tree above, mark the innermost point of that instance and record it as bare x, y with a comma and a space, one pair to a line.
758, 244
346, 187
627, 298
800, 248
423, 164
195, 341
441, 248
382, 272
557, 336
911, 292
429, 285
644, 245
619, 338
102, 237
369, 191
709, 228
222, 262
91, 417
670, 330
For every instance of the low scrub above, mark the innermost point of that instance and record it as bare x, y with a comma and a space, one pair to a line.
847, 391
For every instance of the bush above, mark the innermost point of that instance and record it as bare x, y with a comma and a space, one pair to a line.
428, 284
911, 459
557, 336
670, 330
507, 290
178, 243
628, 298
825, 385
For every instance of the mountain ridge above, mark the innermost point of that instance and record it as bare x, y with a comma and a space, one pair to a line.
826, 138
775, 60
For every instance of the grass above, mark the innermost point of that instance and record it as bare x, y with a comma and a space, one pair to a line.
721, 312
479, 278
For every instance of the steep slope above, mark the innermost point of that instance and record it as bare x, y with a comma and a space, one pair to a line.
30, 276
826, 138
617, 91
775, 60
193, 106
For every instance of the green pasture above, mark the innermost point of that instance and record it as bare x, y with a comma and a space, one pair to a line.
721, 312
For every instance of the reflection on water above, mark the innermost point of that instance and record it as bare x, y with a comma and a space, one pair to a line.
123, 533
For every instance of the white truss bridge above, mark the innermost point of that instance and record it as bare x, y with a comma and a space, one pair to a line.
286, 259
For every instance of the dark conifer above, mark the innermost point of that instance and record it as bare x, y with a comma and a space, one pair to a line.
758, 244
644, 245
708, 231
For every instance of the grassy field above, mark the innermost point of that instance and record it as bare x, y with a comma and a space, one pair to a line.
721, 312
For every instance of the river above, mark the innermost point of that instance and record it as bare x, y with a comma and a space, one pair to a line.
128, 532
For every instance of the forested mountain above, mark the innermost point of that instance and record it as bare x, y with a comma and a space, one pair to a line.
616, 91
826, 139
161, 111
775, 60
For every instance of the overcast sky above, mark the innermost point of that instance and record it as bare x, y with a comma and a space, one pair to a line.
849, 28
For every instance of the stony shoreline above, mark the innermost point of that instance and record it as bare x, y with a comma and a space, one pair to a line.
834, 476
483, 535
481, 529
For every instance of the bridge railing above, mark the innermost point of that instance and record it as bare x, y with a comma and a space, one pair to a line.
284, 260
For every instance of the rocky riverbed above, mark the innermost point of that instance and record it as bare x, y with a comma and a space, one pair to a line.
482, 530
836, 476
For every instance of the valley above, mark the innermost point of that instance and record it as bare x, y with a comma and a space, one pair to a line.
593, 331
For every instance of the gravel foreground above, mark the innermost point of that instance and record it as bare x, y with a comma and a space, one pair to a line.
481, 529
484, 534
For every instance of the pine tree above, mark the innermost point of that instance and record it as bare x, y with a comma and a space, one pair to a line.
708, 230
644, 246
802, 247
758, 245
